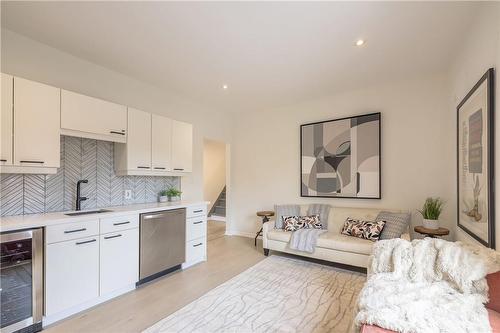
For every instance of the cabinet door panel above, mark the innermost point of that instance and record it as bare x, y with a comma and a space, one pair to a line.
6, 120
71, 273
36, 124
139, 140
182, 146
119, 265
93, 116
161, 143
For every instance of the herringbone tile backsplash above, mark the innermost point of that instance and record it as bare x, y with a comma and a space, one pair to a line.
80, 159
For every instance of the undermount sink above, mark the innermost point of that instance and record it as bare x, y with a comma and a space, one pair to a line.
87, 212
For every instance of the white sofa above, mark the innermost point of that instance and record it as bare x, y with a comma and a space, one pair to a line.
332, 245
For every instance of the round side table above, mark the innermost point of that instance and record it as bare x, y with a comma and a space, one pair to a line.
265, 214
432, 233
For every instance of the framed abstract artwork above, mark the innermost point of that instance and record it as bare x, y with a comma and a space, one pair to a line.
475, 162
340, 158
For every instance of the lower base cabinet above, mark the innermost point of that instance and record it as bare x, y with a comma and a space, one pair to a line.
71, 273
119, 264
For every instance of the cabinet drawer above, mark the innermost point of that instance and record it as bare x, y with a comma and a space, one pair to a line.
117, 223
196, 250
72, 230
196, 227
196, 211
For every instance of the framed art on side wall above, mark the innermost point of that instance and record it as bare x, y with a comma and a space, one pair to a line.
475, 162
340, 158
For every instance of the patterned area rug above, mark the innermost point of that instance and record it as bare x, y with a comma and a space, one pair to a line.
276, 295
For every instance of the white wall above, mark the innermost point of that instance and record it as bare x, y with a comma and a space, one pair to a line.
27, 58
214, 169
417, 145
479, 51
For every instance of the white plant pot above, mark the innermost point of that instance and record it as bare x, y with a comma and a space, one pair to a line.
431, 224
172, 199
163, 198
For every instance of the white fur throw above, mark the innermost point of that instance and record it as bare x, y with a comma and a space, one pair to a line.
428, 285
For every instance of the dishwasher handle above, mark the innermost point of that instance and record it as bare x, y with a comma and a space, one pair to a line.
161, 215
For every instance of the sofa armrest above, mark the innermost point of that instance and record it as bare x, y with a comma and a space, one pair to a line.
266, 227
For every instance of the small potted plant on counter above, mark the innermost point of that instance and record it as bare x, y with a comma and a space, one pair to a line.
431, 211
172, 194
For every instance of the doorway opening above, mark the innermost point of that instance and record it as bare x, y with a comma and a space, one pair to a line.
215, 187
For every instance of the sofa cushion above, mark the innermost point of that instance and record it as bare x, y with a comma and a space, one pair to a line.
282, 210
363, 229
396, 224
494, 291
294, 223
330, 240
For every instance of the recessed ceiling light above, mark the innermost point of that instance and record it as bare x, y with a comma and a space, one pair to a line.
360, 42
225, 87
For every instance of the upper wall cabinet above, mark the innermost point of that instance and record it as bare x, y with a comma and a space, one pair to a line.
33, 128
7, 120
134, 157
92, 118
156, 146
182, 146
161, 140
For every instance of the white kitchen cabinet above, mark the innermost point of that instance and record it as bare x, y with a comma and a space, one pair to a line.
119, 260
134, 157
92, 118
196, 235
7, 120
36, 124
71, 274
182, 146
161, 140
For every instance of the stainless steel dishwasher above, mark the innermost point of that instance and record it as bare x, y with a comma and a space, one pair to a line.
162, 243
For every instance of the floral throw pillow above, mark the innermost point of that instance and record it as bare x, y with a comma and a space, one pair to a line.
294, 223
363, 229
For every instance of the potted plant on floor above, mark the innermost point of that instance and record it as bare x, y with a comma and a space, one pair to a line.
172, 194
431, 211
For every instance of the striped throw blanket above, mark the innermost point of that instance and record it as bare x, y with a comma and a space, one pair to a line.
305, 239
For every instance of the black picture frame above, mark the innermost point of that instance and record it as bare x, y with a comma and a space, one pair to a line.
379, 196
489, 78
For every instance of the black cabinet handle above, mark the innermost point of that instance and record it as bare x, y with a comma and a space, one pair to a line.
76, 230
2, 160
196, 245
86, 242
114, 236
178, 169
160, 168
198, 222
37, 162
116, 132
197, 211
143, 167
121, 223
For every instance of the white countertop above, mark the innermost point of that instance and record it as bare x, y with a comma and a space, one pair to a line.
10, 223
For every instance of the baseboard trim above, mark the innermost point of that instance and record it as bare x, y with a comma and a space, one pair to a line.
242, 234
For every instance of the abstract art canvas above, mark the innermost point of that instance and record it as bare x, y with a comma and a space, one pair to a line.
475, 162
340, 158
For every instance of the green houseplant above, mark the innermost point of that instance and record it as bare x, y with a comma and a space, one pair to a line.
170, 194
431, 211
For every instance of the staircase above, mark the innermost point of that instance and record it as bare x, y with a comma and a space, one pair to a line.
219, 207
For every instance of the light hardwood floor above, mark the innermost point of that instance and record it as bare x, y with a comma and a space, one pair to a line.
215, 229
141, 308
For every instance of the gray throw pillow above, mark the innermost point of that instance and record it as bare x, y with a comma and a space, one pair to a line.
285, 210
396, 224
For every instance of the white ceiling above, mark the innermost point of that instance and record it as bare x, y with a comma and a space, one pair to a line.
269, 53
